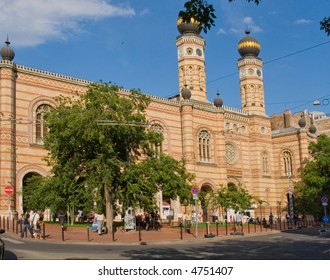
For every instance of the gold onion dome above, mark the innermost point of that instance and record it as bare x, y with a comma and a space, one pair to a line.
248, 46
193, 26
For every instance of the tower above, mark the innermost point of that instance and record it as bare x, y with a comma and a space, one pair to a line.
8, 74
191, 60
250, 74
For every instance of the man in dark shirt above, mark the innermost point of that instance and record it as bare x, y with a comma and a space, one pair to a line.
26, 225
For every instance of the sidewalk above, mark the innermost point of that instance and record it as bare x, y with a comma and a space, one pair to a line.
54, 233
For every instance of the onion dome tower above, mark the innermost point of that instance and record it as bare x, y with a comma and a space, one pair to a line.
218, 101
191, 60
248, 46
185, 93
251, 79
302, 121
7, 53
312, 128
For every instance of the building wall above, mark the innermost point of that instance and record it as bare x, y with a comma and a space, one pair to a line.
242, 142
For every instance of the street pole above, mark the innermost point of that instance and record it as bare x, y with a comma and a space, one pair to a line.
291, 212
196, 217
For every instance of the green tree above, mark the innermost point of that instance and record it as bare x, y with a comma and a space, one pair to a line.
234, 197
315, 178
144, 179
204, 13
100, 150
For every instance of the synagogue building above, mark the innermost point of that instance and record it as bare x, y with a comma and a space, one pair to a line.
221, 145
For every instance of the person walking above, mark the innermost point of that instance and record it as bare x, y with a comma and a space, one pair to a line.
37, 229
238, 222
26, 225
100, 218
271, 219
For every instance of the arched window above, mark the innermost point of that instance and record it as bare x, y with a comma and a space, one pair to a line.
204, 140
287, 163
41, 127
264, 163
158, 147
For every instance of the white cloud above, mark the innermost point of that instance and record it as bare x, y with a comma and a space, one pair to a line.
144, 12
302, 21
33, 22
248, 21
222, 31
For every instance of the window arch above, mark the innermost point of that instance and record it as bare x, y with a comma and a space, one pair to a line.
157, 147
287, 163
204, 145
41, 129
231, 153
265, 170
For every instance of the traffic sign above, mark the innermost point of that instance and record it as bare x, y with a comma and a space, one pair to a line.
195, 196
325, 219
9, 190
194, 190
324, 199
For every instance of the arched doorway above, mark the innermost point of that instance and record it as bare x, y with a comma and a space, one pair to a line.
25, 186
206, 209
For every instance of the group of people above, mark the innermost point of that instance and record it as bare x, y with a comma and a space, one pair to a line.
31, 222
148, 220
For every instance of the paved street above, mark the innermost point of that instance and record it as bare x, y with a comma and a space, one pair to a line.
303, 244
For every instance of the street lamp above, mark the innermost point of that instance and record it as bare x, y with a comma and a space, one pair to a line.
291, 212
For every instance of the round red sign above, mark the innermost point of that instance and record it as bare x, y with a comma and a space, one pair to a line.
9, 190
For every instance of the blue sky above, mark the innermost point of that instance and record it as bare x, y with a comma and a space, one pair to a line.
132, 43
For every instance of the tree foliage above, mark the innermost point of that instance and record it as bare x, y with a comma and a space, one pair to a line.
204, 13
100, 150
315, 178
231, 197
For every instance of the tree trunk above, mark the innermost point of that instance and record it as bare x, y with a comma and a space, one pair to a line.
108, 208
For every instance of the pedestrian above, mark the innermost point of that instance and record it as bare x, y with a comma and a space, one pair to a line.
37, 230
54, 217
214, 216
188, 222
100, 218
34, 217
61, 217
271, 219
27, 225
238, 221
194, 218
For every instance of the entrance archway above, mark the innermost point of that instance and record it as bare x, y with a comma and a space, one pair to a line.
25, 179
206, 210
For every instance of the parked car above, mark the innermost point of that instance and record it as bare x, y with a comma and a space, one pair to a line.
2, 246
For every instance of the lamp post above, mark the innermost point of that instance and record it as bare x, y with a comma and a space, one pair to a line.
291, 212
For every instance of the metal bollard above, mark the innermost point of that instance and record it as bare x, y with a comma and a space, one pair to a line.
207, 228
113, 233
226, 227
43, 231
140, 239
88, 234
217, 225
181, 226
62, 233
248, 227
